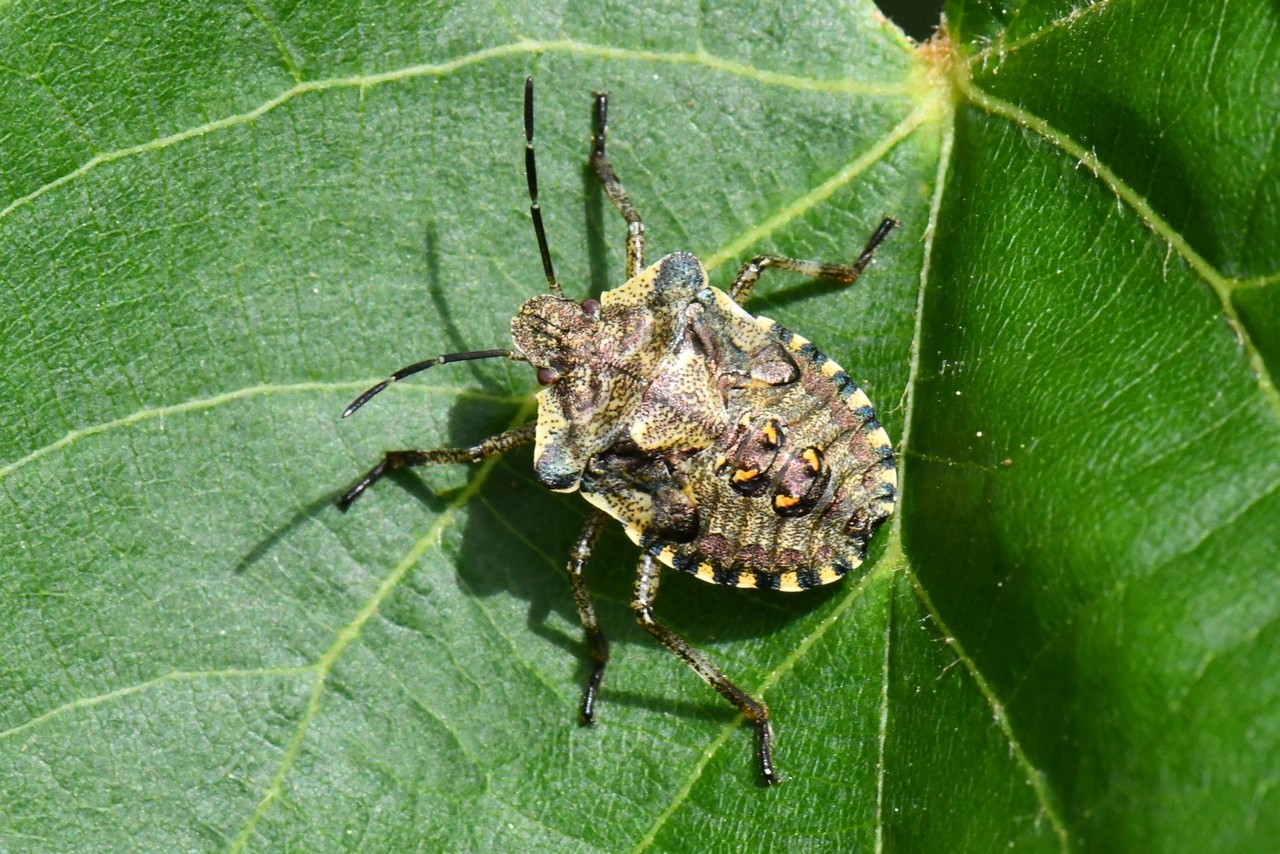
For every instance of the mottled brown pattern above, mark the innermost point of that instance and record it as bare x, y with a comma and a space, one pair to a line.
757, 452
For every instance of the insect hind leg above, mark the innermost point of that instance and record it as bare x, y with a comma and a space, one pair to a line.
846, 274
609, 179
394, 460
646, 590
596, 642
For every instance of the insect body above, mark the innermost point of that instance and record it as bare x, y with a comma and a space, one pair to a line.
748, 458
726, 445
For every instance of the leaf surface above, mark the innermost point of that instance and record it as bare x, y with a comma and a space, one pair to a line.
219, 223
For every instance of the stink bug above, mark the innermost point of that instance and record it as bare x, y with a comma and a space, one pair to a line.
727, 446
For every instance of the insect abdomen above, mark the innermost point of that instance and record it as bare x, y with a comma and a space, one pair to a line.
789, 496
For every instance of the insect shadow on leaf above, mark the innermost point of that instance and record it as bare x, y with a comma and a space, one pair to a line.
442, 308
728, 446
308, 512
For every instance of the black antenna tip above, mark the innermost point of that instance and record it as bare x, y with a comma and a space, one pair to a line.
364, 398
528, 109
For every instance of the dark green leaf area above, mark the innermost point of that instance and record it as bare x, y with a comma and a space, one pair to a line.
1178, 100
1094, 491
977, 23
1258, 307
942, 794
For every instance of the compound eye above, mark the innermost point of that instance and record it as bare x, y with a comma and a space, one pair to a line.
547, 376
591, 307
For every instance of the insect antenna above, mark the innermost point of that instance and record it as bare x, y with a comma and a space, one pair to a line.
531, 172
416, 367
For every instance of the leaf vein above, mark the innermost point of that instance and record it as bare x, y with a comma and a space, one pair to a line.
1035, 778
438, 69
1001, 47
1218, 282
884, 568
883, 735
198, 404
140, 687
823, 191
285, 55
349, 633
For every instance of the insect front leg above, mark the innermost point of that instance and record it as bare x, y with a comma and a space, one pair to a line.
587, 612
604, 170
646, 590
491, 447
844, 273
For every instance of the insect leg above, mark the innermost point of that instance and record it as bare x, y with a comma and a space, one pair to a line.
600, 163
646, 590
393, 460
587, 613
843, 273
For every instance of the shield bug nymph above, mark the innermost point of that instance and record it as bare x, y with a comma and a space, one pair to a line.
726, 445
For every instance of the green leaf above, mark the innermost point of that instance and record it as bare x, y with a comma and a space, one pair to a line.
219, 223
